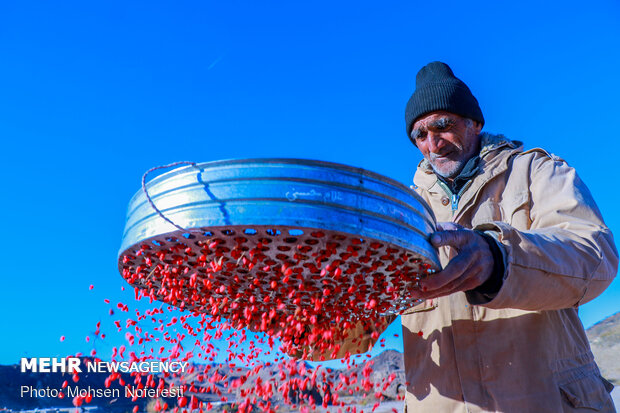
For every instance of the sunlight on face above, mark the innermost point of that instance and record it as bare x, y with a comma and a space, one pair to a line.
447, 141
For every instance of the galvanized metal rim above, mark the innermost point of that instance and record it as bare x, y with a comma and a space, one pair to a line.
291, 161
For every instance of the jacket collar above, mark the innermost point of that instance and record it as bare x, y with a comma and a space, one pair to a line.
493, 148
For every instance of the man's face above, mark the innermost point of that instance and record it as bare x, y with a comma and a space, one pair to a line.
447, 141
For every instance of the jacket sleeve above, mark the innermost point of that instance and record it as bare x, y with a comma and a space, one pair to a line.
567, 256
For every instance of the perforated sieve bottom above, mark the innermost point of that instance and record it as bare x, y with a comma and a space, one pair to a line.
279, 270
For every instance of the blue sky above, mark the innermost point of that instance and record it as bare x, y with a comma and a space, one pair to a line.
92, 94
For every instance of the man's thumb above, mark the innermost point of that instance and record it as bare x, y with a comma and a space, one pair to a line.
455, 238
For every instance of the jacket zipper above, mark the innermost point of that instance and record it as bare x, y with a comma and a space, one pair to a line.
455, 203
454, 198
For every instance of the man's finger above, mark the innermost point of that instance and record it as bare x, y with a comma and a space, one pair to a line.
457, 268
457, 239
466, 282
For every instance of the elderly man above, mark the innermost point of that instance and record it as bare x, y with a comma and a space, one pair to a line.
523, 245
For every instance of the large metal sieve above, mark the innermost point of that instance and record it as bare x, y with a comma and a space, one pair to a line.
309, 216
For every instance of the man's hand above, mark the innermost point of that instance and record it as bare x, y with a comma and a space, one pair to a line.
471, 267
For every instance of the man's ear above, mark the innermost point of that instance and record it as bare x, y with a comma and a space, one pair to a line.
477, 127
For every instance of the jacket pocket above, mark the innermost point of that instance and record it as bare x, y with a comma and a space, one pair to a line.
590, 391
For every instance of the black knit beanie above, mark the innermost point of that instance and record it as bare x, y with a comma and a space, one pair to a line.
438, 89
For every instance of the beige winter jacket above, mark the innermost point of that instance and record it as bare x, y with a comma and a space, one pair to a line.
524, 350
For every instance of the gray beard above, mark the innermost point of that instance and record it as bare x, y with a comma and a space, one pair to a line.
450, 174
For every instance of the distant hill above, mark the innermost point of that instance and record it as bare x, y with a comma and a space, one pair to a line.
604, 339
389, 362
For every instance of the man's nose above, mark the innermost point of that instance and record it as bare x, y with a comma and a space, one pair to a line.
435, 142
